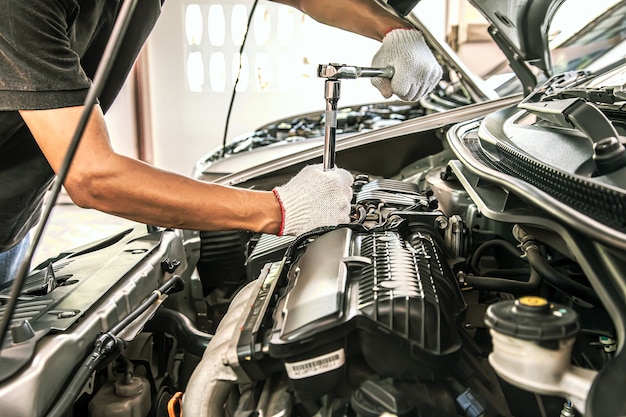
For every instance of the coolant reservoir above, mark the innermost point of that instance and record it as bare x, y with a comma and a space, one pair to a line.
122, 399
534, 319
532, 346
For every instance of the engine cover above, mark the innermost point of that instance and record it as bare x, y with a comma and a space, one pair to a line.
390, 298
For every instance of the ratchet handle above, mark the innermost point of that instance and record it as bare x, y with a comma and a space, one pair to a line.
337, 71
386, 72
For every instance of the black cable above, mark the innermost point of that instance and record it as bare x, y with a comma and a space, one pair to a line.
300, 239
232, 96
100, 78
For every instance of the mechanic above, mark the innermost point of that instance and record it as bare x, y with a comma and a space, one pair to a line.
49, 52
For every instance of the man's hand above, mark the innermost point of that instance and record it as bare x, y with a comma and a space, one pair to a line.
314, 198
416, 69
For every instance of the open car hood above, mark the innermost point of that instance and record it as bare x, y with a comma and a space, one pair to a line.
520, 28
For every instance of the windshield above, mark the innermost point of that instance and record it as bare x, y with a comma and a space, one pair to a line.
591, 45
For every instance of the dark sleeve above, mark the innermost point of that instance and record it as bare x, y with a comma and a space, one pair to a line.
38, 67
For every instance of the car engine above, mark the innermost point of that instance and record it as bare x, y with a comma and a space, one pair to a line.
363, 317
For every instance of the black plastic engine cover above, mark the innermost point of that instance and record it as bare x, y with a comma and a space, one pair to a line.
396, 293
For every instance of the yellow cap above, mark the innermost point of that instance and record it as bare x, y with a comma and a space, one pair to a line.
532, 301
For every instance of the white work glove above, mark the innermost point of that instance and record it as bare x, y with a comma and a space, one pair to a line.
314, 198
416, 69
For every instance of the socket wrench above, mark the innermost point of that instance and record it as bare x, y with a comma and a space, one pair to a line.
333, 73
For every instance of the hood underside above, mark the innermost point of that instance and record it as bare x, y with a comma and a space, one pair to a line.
520, 28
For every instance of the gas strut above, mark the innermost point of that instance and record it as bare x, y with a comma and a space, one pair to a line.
333, 73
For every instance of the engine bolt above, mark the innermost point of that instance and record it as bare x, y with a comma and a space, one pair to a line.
567, 410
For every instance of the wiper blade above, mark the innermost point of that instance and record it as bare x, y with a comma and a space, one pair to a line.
557, 83
607, 95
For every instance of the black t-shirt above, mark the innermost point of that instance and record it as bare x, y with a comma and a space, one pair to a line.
49, 52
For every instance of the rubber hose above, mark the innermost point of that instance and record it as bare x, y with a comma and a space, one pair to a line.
557, 279
479, 252
189, 337
110, 349
504, 284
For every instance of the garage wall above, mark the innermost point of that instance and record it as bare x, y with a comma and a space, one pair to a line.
121, 122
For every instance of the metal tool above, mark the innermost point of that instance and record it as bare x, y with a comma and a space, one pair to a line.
333, 73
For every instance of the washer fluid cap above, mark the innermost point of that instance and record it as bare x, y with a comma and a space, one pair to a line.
532, 318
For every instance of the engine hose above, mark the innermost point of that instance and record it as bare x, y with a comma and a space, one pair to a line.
504, 284
107, 348
558, 280
480, 251
552, 276
189, 337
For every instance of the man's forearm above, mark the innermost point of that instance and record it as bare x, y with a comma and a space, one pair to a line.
363, 17
101, 179
137, 191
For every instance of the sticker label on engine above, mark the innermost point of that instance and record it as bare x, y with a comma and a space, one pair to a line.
316, 366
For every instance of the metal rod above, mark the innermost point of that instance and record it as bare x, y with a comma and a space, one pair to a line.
331, 93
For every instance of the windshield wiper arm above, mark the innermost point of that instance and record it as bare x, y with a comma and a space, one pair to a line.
608, 95
575, 113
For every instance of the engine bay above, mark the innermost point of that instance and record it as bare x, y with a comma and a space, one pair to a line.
481, 274
385, 315
471, 282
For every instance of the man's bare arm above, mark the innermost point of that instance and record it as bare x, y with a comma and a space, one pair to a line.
101, 179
